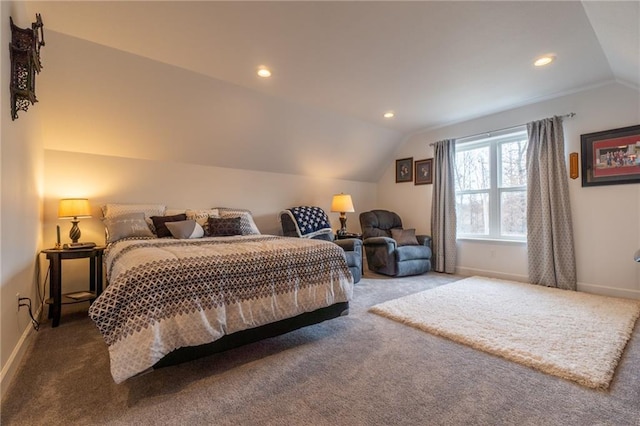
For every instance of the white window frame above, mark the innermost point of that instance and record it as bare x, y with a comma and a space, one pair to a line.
493, 140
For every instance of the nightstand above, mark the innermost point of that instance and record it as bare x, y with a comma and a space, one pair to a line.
56, 298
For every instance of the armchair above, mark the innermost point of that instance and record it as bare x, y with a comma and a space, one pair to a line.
392, 250
319, 228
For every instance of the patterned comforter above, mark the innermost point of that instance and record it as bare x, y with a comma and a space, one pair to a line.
164, 294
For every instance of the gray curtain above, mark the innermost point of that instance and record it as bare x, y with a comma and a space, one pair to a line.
443, 208
549, 228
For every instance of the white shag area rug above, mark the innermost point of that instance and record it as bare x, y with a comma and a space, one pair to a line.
576, 336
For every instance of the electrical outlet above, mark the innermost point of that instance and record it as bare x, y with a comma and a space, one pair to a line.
18, 300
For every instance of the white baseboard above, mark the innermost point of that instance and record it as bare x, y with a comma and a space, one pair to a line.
609, 291
11, 367
469, 272
584, 287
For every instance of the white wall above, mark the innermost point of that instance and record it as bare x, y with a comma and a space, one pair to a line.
105, 179
20, 206
104, 101
606, 219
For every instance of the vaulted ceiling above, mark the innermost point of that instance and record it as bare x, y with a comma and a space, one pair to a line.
431, 63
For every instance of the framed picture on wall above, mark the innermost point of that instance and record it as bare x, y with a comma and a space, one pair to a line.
611, 157
424, 172
404, 170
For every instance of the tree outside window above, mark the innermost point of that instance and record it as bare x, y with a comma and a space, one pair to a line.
491, 186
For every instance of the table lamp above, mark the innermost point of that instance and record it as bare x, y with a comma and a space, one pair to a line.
74, 208
342, 203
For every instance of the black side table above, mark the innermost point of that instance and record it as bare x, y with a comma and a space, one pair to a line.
56, 298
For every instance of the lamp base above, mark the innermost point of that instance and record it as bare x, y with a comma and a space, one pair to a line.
74, 233
343, 224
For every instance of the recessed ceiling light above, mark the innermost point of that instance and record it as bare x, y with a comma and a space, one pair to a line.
264, 72
388, 114
544, 60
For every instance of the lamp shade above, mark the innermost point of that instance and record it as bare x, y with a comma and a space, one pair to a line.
74, 208
342, 203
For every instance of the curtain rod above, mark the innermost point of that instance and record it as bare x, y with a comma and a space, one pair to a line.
569, 115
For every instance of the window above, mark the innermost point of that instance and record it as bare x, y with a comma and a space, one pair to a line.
491, 185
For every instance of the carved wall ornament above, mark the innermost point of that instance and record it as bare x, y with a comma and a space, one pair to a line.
24, 52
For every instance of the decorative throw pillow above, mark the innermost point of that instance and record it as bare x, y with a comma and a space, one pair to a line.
127, 225
404, 237
160, 221
247, 225
185, 229
202, 217
224, 226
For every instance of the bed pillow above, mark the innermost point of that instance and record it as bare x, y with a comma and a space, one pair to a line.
224, 226
404, 237
159, 222
125, 226
247, 225
112, 210
185, 229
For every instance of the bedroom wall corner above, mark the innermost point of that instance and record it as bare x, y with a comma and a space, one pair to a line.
21, 167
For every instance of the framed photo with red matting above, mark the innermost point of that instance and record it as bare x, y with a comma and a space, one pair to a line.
611, 157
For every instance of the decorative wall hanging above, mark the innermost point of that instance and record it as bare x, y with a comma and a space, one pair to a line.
24, 52
573, 165
611, 157
424, 172
404, 170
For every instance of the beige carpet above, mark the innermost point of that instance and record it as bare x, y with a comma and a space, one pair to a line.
576, 336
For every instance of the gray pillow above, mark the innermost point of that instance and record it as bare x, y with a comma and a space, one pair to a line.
404, 237
185, 229
125, 226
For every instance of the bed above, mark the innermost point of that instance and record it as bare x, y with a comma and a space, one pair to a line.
170, 299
